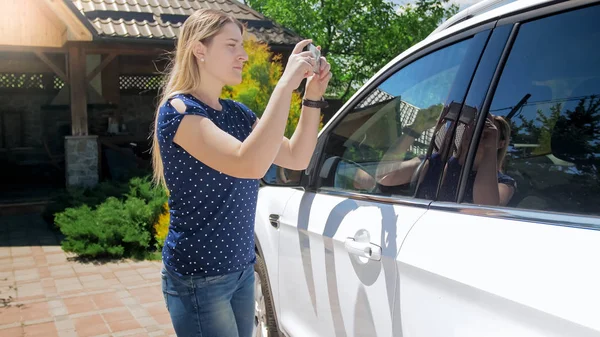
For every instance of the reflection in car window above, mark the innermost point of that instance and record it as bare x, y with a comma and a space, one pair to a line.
549, 92
378, 146
486, 183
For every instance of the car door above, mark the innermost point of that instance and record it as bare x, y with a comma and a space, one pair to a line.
339, 237
527, 267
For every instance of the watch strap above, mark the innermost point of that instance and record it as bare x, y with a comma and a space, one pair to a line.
315, 104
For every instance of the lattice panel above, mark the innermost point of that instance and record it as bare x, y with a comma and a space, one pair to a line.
140, 82
375, 97
21, 81
57, 83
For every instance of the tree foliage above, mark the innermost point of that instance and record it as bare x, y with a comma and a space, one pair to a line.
259, 78
358, 37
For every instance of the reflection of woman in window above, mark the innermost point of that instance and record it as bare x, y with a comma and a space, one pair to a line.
487, 185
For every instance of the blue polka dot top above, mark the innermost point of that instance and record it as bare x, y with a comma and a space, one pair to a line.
211, 229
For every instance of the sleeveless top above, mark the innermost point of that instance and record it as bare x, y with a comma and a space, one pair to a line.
211, 230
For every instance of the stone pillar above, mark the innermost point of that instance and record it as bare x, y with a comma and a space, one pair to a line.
81, 156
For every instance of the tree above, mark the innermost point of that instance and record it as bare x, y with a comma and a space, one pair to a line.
358, 37
259, 77
571, 135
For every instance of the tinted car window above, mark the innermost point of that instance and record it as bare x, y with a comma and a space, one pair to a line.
379, 145
549, 93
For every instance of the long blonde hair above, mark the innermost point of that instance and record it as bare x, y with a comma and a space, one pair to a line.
183, 74
505, 130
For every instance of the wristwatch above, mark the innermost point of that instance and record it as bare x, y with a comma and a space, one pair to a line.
322, 104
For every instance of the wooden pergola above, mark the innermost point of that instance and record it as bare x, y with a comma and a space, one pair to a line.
88, 49
63, 47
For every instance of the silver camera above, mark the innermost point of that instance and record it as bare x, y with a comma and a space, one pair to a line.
317, 55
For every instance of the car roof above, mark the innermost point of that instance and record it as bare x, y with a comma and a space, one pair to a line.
485, 11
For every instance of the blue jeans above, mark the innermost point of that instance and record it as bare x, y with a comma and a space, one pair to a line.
211, 306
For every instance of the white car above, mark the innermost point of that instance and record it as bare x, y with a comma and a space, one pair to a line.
390, 231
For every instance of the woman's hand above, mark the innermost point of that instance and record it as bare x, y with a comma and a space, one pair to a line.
299, 66
427, 118
317, 83
490, 134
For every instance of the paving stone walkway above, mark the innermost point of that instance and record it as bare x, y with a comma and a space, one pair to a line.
46, 292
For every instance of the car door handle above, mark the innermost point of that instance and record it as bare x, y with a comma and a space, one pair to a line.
274, 220
363, 249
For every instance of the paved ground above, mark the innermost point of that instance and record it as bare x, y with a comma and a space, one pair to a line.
44, 292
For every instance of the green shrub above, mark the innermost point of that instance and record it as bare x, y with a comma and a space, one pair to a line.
155, 197
116, 227
92, 197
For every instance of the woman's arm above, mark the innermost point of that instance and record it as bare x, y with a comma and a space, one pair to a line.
295, 153
486, 187
253, 157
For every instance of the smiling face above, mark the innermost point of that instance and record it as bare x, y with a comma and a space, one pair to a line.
223, 56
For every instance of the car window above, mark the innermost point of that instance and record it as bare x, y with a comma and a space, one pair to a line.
548, 149
380, 144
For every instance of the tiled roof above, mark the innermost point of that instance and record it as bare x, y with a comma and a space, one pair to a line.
375, 97
161, 19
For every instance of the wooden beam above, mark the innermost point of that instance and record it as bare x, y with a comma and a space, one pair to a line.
78, 92
52, 66
77, 29
120, 48
138, 64
110, 82
7, 48
23, 24
51, 16
23, 65
100, 67
99, 48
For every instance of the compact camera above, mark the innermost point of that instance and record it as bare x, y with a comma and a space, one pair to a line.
317, 55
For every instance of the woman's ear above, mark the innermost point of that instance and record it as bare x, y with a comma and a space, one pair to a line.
199, 51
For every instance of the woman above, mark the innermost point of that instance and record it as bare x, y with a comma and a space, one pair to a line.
210, 153
486, 185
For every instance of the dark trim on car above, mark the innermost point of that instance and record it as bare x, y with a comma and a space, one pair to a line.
484, 111
543, 10
430, 48
427, 49
541, 217
452, 134
308, 182
396, 200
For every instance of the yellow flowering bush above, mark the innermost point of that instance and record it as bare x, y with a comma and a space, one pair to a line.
259, 78
161, 227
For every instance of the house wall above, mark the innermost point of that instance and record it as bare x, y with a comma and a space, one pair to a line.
28, 124
30, 23
137, 112
30, 121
